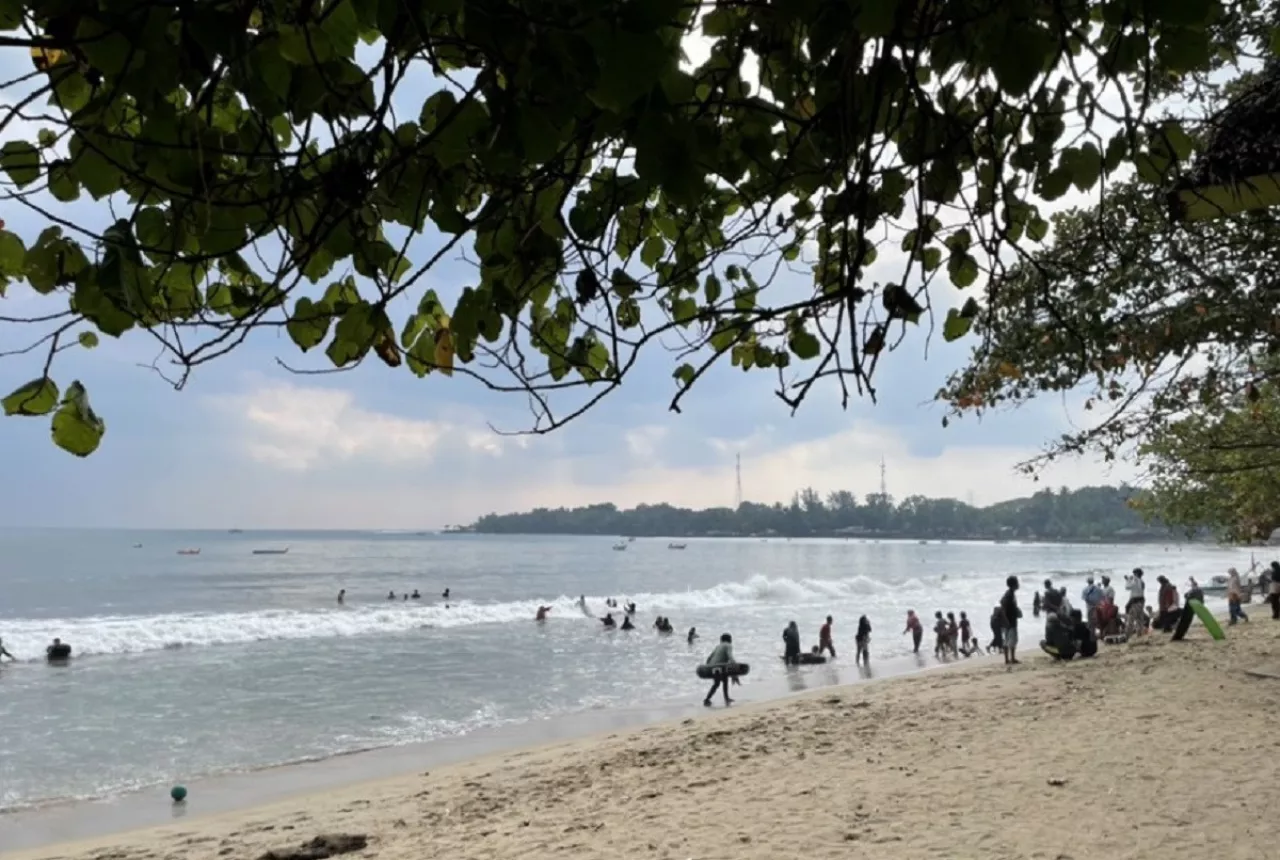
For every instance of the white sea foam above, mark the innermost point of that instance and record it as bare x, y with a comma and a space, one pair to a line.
128, 634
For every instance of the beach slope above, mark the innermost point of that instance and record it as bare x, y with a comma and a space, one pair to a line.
1155, 750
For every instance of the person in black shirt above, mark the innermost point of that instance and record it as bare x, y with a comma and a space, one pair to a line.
863, 640
1009, 606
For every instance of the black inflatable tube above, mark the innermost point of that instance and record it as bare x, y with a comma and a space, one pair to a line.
732, 670
59, 652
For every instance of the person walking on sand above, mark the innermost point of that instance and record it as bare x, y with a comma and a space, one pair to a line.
721, 656
916, 629
863, 640
1235, 596
824, 639
1009, 609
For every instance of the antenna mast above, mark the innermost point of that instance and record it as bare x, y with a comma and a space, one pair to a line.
737, 469
884, 486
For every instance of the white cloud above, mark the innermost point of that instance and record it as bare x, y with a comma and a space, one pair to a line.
301, 428
644, 442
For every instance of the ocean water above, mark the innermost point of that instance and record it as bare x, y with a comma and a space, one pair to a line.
226, 661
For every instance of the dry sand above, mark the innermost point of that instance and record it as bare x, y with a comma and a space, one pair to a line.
1154, 750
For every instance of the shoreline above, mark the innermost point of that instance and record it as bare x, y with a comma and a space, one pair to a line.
1039, 762
51, 823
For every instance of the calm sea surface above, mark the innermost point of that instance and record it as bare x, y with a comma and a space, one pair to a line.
228, 661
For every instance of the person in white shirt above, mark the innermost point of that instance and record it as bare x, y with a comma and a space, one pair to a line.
1137, 590
1108, 593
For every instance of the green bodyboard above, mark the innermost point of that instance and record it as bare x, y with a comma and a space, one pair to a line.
1206, 618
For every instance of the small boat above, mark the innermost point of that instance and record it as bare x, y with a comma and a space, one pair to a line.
137, 546
195, 551
620, 547
270, 551
235, 531
676, 545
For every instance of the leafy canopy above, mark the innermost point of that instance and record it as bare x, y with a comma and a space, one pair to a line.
305, 163
1150, 317
1217, 468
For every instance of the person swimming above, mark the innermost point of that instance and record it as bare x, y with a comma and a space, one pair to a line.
608, 621
391, 595
542, 613
630, 609
342, 596
59, 650
416, 595
445, 595
693, 635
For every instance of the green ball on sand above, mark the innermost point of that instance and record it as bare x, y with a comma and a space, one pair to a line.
178, 793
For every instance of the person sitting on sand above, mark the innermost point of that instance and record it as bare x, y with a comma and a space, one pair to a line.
863, 641
1058, 642
721, 655
916, 629
542, 613
791, 644
608, 621
693, 635
1082, 633
997, 630
824, 638
626, 623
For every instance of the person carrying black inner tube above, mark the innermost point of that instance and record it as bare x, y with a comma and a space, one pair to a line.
721, 657
791, 644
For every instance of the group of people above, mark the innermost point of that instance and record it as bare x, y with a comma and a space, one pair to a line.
56, 652
791, 649
391, 595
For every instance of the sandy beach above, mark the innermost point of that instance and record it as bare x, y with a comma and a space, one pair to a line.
1157, 749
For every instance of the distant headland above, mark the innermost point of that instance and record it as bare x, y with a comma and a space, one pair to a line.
1089, 514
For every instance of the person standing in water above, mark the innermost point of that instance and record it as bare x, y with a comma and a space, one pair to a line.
445, 595
542, 613
342, 596
721, 656
916, 629
4, 653
863, 641
791, 644
824, 639
693, 634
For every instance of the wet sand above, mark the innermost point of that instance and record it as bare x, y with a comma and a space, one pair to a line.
1155, 750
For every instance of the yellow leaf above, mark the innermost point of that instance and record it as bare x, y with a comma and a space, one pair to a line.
444, 352
46, 58
1008, 371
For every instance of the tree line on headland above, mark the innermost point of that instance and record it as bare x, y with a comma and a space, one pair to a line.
1086, 514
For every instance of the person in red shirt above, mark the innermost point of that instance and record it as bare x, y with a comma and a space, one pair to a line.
824, 639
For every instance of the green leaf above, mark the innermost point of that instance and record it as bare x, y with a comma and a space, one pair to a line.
87, 339
46, 138
76, 428
1020, 59
684, 375
963, 269
652, 250
305, 46
955, 326
21, 161
632, 64
37, 397
309, 324
804, 344
13, 256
